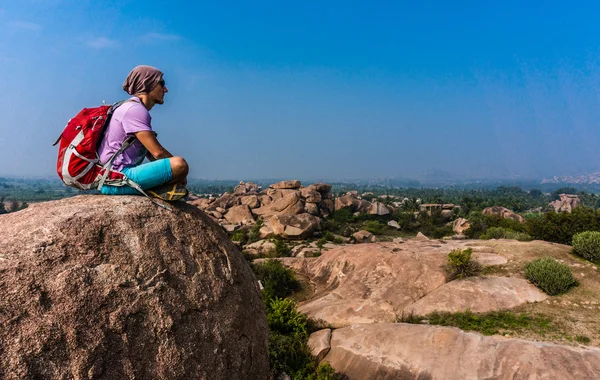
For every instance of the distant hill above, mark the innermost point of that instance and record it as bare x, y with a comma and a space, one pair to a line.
589, 179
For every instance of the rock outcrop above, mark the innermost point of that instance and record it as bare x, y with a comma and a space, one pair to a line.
503, 212
282, 200
460, 225
566, 203
97, 287
405, 351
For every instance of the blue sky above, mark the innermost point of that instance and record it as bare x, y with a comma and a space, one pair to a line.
326, 90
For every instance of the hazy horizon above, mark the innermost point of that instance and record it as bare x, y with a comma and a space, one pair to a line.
338, 90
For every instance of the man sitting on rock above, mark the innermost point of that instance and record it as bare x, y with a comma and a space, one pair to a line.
165, 176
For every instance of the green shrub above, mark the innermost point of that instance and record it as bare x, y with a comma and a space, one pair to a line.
254, 235
504, 233
560, 227
328, 236
549, 275
490, 323
281, 248
460, 265
479, 224
338, 240
288, 344
587, 244
240, 236
375, 227
277, 280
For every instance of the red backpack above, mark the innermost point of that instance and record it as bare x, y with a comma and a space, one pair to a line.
78, 164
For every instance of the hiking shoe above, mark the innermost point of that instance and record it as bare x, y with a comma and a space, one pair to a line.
169, 192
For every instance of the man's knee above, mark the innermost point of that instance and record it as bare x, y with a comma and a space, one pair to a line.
179, 166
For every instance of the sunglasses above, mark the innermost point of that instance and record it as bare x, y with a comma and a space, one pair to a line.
161, 82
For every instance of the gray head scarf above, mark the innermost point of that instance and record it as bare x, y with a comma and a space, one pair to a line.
142, 79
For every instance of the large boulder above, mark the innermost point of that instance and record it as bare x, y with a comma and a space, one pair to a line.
378, 208
566, 203
239, 214
245, 188
293, 184
290, 204
99, 287
346, 201
322, 188
310, 195
406, 351
503, 212
299, 226
460, 225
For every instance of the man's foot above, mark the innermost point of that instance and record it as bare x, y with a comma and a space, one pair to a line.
168, 192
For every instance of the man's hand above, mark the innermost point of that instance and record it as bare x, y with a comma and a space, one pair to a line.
148, 139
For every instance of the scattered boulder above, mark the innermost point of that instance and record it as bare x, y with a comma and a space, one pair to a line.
294, 184
318, 342
378, 208
310, 195
363, 236
421, 237
300, 226
239, 214
290, 204
566, 203
394, 224
460, 225
409, 351
323, 188
503, 212
251, 200
283, 198
312, 208
104, 287
245, 188
261, 247
346, 201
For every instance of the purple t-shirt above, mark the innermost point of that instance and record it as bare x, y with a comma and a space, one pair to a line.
129, 118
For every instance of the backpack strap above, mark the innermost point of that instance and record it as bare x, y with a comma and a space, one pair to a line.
107, 167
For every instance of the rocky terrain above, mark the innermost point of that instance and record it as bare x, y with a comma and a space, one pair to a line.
362, 290
98, 287
286, 208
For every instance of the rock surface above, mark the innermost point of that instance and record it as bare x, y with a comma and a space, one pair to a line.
98, 287
318, 342
566, 203
503, 212
405, 351
479, 295
363, 283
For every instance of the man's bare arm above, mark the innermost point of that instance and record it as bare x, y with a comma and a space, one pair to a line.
155, 150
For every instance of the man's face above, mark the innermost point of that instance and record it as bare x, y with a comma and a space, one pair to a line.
158, 92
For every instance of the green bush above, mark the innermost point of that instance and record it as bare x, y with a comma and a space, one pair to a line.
288, 344
587, 244
338, 240
479, 224
328, 236
281, 247
254, 235
504, 233
560, 227
549, 275
460, 265
374, 227
277, 280
240, 236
